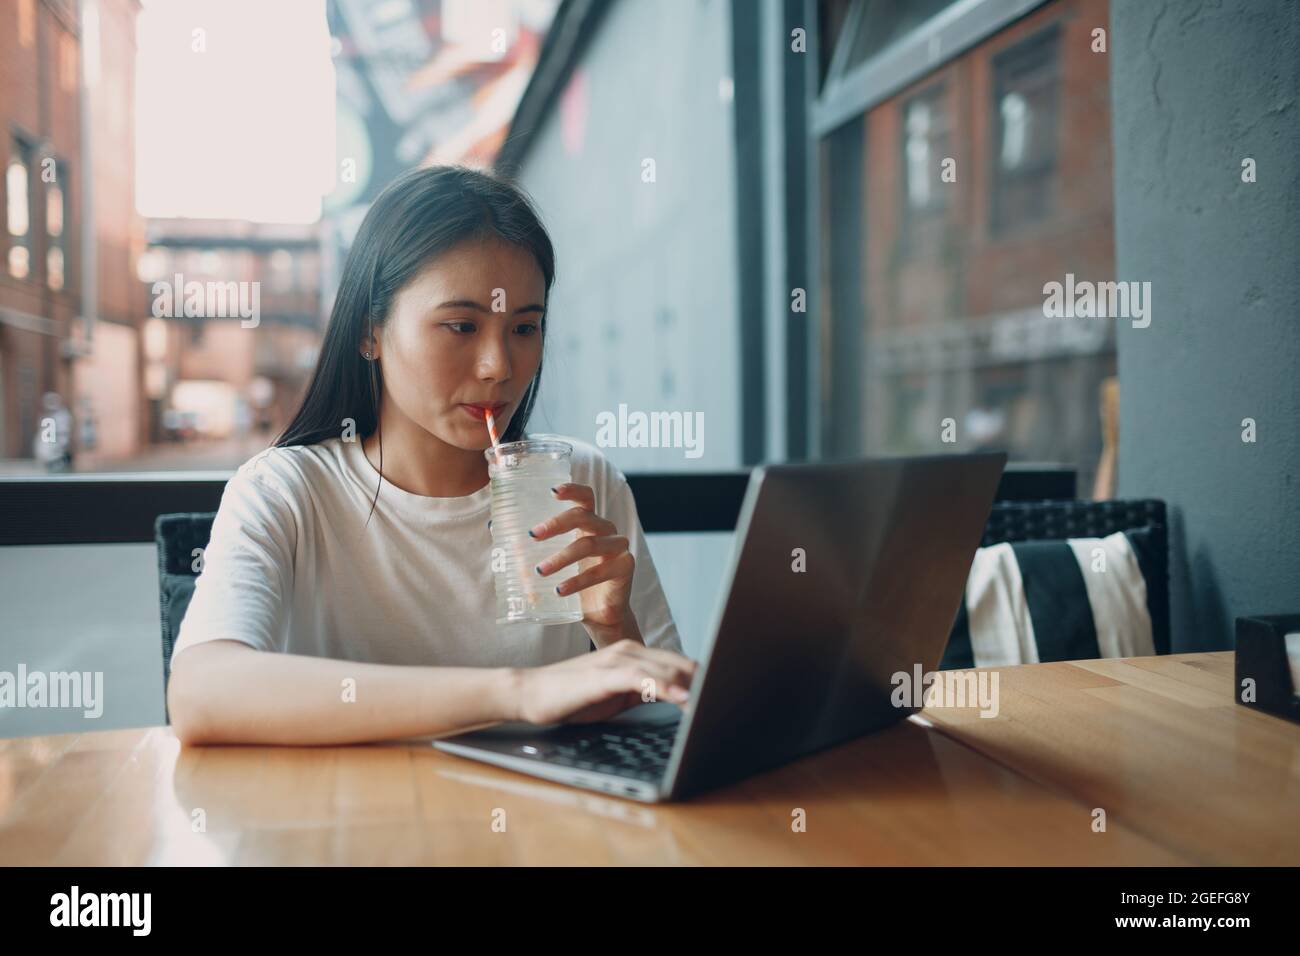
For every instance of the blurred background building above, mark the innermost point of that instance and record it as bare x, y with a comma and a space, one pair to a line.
70, 304
136, 129
824, 226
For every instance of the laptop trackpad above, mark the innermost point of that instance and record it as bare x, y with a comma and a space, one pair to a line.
659, 712
654, 714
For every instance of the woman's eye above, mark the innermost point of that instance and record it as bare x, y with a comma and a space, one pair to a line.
460, 326
528, 328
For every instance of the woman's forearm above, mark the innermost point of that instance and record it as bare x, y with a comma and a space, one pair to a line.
227, 692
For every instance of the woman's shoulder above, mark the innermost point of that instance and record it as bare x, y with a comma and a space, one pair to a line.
292, 469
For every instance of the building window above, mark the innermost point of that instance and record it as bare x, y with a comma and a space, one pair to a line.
925, 144
27, 22
18, 196
1025, 94
67, 62
55, 227
209, 263
282, 277
154, 264
308, 263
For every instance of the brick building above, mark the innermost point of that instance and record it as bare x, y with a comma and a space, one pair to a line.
70, 303
219, 375
954, 265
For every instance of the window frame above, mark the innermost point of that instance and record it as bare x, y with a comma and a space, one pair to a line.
945, 36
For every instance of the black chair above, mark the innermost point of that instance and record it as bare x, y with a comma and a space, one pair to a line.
1012, 521
177, 536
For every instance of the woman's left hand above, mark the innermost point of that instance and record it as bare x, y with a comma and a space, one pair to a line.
604, 581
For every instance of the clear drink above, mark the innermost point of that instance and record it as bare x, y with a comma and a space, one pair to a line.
522, 474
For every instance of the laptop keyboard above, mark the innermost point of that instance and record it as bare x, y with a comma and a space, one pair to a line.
640, 753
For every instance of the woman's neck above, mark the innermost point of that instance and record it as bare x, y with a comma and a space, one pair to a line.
423, 464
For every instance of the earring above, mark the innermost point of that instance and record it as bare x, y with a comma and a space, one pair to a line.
367, 354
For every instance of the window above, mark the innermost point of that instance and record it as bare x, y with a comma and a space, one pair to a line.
67, 62
27, 22
925, 150
282, 278
1025, 124
925, 144
308, 263
207, 263
18, 205
154, 264
933, 335
56, 227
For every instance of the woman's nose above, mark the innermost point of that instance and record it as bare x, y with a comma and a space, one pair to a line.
494, 360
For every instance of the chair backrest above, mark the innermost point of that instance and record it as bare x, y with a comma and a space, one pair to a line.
178, 537
1058, 520
1012, 521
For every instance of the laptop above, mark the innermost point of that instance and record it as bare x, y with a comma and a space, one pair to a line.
841, 575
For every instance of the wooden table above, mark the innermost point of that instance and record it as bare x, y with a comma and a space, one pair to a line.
1184, 775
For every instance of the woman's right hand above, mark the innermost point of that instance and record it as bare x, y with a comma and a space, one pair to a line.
598, 685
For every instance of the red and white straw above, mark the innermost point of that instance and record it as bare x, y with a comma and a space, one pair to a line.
492, 433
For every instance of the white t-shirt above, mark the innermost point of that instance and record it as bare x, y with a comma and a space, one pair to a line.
291, 566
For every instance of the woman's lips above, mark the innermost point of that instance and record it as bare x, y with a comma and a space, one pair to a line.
480, 411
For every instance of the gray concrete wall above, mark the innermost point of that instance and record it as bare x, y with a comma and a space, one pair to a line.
644, 311
1196, 89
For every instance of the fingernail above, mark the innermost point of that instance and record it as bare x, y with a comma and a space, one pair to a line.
554, 488
489, 524
557, 589
530, 533
538, 569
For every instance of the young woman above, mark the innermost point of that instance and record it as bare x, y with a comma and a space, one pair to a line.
347, 592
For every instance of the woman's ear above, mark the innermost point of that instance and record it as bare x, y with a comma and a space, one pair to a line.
369, 347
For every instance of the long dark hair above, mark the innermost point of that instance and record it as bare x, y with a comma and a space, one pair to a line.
420, 215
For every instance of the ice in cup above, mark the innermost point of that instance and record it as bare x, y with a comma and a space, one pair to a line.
522, 475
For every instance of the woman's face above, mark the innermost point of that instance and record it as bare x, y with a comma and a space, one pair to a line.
465, 330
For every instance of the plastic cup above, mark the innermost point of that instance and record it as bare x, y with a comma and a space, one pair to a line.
522, 474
